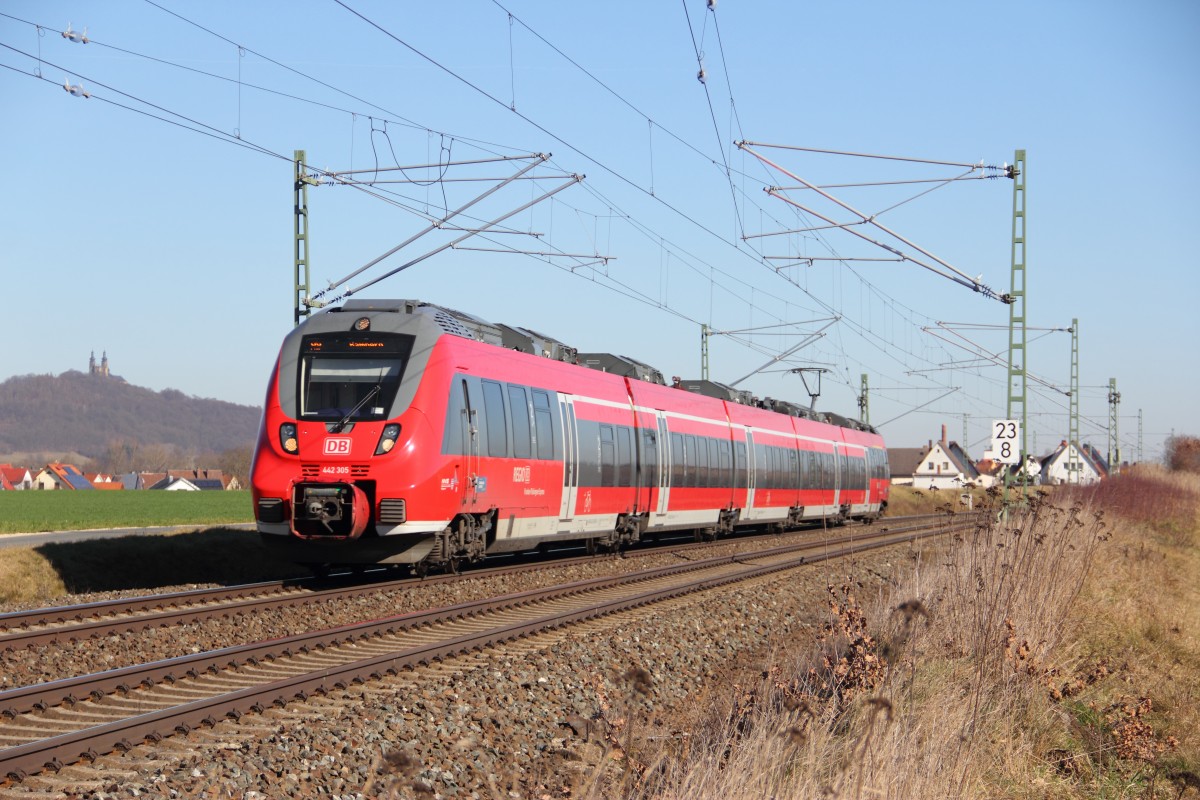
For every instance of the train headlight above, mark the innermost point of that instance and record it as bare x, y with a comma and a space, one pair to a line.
287, 438
387, 439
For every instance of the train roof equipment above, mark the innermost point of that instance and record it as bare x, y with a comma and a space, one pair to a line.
622, 365
539, 344
718, 390
525, 340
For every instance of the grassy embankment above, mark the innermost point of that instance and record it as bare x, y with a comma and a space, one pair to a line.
197, 553
31, 512
1054, 655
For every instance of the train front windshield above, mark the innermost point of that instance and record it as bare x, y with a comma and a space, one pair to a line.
351, 379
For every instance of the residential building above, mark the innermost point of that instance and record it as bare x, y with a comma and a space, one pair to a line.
61, 477
903, 462
1055, 467
15, 478
945, 465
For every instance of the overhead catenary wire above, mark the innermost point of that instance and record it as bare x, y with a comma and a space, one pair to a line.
256, 53
449, 245
534, 160
756, 311
713, 116
949, 271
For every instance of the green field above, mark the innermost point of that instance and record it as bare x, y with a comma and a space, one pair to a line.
30, 512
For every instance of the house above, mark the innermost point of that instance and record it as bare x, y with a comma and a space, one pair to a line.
17, 478
174, 483
903, 462
5, 486
203, 479
131, 481
101, 480
1055, 467
209, 479
62, 477
945, 465
990, 472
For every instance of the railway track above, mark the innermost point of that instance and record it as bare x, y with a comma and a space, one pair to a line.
40, 627
45, 726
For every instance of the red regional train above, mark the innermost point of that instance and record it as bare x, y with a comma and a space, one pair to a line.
400, 432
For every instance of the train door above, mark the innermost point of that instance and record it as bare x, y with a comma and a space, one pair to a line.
570, 440
664, 466
469, 422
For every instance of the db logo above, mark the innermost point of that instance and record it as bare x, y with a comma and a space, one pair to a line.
337, 447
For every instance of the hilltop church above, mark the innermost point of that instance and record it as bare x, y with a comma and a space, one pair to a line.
102, 369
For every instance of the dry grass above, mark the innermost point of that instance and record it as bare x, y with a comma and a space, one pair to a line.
27, 577
906, 500
44, 574
1051, 654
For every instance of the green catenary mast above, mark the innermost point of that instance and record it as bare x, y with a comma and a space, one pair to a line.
1016, 314
300, 292
1073, 464
1114, 431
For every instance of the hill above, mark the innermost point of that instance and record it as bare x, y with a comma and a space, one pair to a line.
93, 415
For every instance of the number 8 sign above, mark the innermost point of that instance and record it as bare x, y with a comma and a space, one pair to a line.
1006, 441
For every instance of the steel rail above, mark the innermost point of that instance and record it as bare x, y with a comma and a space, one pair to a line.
50, 753
38, 627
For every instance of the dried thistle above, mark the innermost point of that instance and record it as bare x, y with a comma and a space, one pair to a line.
639, 680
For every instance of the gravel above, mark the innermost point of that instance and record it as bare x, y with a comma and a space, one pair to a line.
533, 719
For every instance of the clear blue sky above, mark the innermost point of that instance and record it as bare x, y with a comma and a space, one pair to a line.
168, 244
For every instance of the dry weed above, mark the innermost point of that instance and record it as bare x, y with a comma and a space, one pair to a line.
985, 670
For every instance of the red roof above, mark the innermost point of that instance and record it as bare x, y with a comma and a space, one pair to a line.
14, 475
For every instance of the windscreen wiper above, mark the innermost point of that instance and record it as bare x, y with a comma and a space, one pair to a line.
344, 420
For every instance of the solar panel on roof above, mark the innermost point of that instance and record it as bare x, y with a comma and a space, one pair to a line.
77, 481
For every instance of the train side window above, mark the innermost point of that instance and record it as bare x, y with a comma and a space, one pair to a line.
793, 469
455, 432
543, 425
518, 403
624, 456
587, 451
725, 464
678, 467
649, 460
709, 458
694, 474
497, 426
608, 456
739, 464
762, 479
715, 474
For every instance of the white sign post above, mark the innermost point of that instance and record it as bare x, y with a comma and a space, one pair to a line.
1006, 441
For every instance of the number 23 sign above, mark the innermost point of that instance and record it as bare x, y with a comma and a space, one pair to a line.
1006, 441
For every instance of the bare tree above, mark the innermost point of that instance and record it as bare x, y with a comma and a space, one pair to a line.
1183, 453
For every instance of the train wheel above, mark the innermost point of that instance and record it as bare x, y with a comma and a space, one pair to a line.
592, 547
